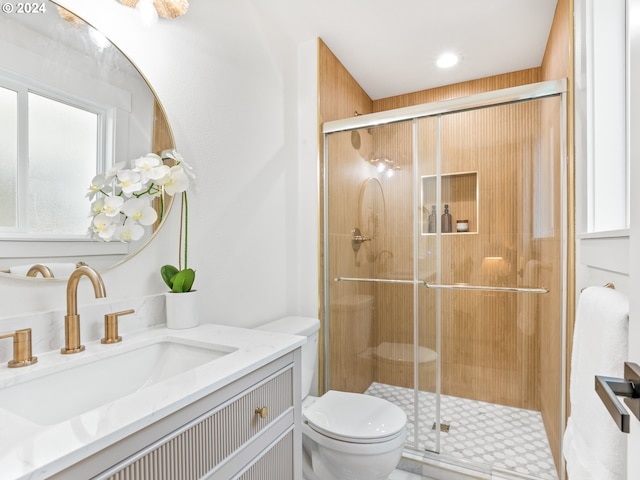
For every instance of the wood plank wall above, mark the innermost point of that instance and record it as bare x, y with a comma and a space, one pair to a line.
339, 96
162, 139
488, 84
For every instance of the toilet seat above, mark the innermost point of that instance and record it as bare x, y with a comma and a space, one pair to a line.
403, 353
355, 418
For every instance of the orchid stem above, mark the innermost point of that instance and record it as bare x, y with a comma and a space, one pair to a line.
184, 229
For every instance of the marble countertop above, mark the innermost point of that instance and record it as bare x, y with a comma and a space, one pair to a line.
32, 451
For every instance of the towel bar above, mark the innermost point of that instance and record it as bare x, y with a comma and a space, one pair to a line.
486, 288
606, 285
457, 286
608, 388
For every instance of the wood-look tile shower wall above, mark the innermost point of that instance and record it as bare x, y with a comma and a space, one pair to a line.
340, 96
490, 342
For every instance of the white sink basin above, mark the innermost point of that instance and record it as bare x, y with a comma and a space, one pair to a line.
67, 393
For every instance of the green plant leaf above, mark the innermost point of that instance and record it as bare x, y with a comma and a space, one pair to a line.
168, 272
183, 280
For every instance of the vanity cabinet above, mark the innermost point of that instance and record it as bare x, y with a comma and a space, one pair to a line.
249, 429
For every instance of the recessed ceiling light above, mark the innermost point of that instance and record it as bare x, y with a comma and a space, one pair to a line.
447, 60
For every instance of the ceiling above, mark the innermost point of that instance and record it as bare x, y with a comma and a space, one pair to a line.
390, 46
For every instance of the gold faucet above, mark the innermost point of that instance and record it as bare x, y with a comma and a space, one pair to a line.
72, 319
43, 269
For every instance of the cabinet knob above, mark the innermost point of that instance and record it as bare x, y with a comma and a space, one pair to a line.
262, 411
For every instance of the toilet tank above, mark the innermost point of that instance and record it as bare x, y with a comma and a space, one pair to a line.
304, 327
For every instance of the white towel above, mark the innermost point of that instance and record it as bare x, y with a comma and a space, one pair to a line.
594, 448
59, 270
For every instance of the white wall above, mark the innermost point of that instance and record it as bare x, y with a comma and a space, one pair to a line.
228, 80
616, 258
633, 464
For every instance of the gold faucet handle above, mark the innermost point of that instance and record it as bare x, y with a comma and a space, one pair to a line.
111, 326
21, 348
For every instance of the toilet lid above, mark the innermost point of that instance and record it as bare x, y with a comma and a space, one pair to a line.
354, 417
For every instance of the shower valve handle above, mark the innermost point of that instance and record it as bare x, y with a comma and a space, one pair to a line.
357, 239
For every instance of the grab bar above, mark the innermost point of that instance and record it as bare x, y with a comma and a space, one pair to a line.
486, 288
457, 286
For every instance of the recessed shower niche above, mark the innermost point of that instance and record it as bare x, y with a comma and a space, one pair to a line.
459, 193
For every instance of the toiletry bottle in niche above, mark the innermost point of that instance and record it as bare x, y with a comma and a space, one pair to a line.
446, 220
432, 220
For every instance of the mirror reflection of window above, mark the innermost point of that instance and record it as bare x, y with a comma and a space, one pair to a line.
63, 149
8, 157
50, 147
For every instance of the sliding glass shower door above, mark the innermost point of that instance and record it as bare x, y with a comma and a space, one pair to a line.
444, 276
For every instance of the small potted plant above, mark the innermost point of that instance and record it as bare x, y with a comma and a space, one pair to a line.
181, 310
121, 208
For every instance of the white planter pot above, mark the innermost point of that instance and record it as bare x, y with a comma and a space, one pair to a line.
182, 310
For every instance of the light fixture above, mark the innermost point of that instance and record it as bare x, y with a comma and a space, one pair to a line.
150, 10
384, 165
447, 60
70, 17
98, 38
148, 13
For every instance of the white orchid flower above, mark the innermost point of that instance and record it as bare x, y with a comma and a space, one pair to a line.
177, 181
128, 189
150, 167
129, 232
139, 209
113, 171
97, 206
112, 206
188, 170
103, 226
97, 183
129, 181
174, 155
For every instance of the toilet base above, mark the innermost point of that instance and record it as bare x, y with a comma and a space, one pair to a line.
353, 462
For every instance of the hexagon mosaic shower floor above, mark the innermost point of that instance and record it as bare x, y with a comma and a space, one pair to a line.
508, 438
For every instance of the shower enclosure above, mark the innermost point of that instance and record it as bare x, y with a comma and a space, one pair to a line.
444, 251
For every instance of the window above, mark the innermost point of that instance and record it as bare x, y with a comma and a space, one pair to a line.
50, 148
601, 78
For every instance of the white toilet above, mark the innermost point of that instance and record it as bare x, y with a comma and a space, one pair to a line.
346, 436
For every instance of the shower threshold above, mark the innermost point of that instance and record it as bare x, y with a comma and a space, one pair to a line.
503, 438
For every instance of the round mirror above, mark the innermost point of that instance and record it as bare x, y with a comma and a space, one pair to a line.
71, 106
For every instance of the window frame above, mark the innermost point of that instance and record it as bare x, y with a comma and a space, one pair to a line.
106, 125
